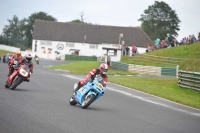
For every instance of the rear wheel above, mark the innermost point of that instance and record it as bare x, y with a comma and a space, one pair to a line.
87, 101
72, 101
16, 82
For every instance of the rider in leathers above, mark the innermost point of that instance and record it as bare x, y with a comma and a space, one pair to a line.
26, 60
11, 62
90, 76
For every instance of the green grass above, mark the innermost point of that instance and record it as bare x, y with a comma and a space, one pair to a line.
190, 54
165, 88
144, 63
3, 52
191, 51
84, 67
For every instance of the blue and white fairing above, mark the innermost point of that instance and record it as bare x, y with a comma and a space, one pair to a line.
95, 87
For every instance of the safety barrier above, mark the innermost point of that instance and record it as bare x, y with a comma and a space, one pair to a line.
119, 66
190, 80
149, 70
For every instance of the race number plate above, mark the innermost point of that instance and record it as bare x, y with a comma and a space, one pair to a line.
100, 86
24, 72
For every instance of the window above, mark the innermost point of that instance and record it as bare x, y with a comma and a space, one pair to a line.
48, 43
69, 44
93, 46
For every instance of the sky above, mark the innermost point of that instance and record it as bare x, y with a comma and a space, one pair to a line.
103, 12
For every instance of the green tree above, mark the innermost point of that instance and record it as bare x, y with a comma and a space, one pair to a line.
160, 21
76, 21
13, 32
30, 24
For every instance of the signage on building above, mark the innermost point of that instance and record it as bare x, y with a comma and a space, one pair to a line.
60, 46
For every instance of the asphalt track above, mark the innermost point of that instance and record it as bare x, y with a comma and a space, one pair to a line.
41, 106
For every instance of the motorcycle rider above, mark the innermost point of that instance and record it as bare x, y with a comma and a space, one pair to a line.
26, 60
103, 68
17, 55
11, 62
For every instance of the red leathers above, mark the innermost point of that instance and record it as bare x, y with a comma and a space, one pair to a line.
92, 75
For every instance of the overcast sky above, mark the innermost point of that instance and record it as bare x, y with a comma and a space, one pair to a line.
103, 12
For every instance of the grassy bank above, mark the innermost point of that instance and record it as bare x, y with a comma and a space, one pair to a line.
189, 53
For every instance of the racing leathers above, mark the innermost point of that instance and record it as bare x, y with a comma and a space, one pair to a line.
90, 77
12, 61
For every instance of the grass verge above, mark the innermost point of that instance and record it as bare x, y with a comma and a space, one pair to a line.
84, 67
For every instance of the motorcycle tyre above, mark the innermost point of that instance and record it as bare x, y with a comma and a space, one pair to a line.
72, 101
16, 82
92, 98
7, 86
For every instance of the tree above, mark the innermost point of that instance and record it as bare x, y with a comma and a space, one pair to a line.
13, 32
76, 21
160, 21
30, 22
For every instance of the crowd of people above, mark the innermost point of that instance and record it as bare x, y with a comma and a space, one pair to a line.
159, 44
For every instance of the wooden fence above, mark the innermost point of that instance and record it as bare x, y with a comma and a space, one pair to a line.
190, 80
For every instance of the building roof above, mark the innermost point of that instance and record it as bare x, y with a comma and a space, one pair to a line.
87, 33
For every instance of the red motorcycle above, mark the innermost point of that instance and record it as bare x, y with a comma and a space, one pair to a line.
18, 76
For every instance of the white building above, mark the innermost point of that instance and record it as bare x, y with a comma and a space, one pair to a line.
53, 39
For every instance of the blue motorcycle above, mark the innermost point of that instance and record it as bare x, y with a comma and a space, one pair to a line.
88, 93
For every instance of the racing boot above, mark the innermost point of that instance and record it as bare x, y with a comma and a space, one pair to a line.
27, 80
9, 73
76, 88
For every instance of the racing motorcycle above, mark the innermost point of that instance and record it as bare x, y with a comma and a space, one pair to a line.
88, 93
18, 76
37, 60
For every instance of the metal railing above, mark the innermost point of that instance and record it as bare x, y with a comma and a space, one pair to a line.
190, 80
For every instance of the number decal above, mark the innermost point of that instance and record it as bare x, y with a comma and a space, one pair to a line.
100, 86
24, 72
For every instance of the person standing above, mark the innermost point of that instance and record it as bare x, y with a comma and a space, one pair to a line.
127, 50
134, 50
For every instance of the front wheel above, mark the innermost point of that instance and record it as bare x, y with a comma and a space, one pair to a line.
72, 101
87, 101
7, 84
16, 82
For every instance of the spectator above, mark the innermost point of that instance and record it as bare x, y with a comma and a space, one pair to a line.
172, 43
199, 37
127, 50
157, 43
134, 50
163, 44
176, 43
